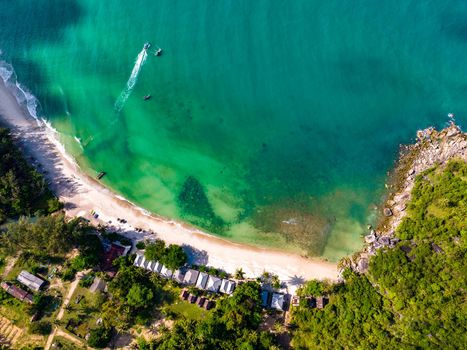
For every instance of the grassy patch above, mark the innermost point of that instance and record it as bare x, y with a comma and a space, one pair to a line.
183, 309
65, 344
82, 312
15, 311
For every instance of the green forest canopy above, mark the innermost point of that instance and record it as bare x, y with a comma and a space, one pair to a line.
22, 189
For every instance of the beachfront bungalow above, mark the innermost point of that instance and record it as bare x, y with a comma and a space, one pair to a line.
227, 286
30, 281
202, 280
192, 298
278, 301
265, 299
213, 284
145, 264
178, 276
157, 267
191, 277
151, 265
165, 272
138, 260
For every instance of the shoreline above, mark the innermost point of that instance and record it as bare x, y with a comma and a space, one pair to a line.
431, 148
80, 194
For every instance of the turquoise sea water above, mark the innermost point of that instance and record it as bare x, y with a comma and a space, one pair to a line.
270, 122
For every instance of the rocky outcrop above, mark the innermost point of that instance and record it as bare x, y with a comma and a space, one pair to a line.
432, 148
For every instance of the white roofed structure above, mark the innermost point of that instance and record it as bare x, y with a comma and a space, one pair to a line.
277, 301
151, 265
191, 276
145, 263
227, 286
157, 267
213, 284
178, 276
202, 280
139, 258
165, 272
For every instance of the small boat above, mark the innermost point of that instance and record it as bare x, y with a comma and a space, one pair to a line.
147, 46
101, 175
158, 52
147, 97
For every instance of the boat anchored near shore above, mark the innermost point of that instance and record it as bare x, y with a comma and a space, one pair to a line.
158, 52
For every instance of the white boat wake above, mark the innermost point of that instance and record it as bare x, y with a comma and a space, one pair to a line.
126, 92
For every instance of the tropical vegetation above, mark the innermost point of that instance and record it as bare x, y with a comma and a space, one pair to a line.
413, 296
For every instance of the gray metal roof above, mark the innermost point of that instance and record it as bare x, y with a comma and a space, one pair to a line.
191, 277
30, 281
227, 286
202, 280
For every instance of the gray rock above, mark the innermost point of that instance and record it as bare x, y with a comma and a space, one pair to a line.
387, 212
384, 241
362, 265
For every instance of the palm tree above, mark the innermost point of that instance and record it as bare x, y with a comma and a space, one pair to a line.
265, 276
239, 274
275, 281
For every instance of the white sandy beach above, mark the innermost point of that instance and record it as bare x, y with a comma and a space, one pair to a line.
81, 194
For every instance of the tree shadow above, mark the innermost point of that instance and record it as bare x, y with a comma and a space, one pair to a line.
195, 256
296, 280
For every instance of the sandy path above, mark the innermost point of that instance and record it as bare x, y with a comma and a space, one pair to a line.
72, 289
60, 314
81, 194
10, 264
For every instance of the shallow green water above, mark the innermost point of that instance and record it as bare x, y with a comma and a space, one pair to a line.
284, 116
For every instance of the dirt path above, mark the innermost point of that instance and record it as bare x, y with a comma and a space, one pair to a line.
75, 340
72, 289
50, 339
10, 264
60, 314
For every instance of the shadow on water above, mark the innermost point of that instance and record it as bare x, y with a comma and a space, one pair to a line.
25, 22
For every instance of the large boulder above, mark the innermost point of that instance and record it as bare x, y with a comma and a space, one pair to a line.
387, 212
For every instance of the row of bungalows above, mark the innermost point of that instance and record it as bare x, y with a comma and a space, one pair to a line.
17, 292
191, 277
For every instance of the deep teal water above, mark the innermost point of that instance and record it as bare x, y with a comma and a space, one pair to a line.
287, 114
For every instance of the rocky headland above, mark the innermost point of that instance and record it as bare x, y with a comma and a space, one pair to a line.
431, 148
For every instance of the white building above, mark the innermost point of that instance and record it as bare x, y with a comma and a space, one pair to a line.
191, 276
227, 286
213, 284
178, 276
202, 280
165, 272
157, 267
277, 301
139, 258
